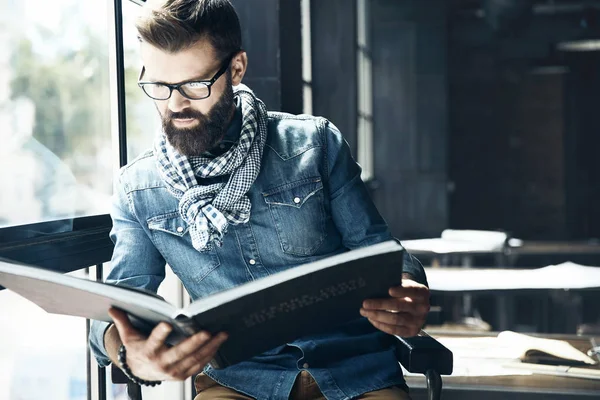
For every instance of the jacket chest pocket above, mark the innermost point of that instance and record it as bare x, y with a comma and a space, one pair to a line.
299, 215
171, 234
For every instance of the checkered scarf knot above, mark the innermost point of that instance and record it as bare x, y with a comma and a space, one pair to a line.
208, 209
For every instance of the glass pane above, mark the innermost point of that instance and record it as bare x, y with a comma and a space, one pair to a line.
361, 19
142, 118
306, 37
307, 99
54, 110
365, 147
42, 356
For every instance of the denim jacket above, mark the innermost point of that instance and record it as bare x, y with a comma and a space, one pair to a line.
308, 202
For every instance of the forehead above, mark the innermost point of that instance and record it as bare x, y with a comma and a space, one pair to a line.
195, 62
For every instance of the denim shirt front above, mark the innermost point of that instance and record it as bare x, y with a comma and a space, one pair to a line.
308, 202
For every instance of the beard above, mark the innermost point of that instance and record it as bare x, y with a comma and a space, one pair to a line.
209, 130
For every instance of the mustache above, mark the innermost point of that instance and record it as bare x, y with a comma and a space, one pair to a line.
185, 114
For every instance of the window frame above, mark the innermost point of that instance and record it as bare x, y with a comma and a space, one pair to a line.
364, 85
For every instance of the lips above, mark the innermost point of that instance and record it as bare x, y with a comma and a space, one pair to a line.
184, 121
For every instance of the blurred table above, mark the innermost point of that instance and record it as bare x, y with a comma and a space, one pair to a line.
506, 252
462, 248
565, 276
505, 283
478, 377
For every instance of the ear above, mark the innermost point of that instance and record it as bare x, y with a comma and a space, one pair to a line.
238, 67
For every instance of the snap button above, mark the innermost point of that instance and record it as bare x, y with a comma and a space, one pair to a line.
252, 261
297, 200
179, 229
305, 365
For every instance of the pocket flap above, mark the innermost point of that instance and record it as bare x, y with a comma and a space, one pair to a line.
170, 223
294, 194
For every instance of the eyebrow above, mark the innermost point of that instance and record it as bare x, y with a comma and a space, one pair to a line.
195, 79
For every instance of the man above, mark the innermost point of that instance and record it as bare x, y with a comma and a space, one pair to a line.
229, 194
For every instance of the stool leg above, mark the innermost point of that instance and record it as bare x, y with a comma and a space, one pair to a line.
134, 391
434, 385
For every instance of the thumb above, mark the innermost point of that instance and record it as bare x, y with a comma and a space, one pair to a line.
127, 332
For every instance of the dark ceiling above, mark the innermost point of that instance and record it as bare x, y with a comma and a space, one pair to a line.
464, 5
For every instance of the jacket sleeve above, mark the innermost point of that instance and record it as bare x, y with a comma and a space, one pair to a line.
135, 261
353, 211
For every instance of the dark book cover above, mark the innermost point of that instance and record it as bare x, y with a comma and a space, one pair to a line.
308, 304
258, 316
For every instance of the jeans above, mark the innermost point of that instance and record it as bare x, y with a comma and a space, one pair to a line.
305, 388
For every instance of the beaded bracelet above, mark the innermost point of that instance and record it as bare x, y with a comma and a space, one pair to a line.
127, 371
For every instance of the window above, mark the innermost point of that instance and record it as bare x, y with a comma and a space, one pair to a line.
41, 355
365, 92
57, 165
54, 111
143, 121
306, 58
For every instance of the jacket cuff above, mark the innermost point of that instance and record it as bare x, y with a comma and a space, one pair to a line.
413, 266
96, 342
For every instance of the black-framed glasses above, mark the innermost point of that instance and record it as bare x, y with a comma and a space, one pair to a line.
193, 89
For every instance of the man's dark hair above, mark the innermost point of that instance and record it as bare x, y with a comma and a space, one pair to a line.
175, 25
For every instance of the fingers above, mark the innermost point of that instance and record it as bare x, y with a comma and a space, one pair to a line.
192, 357
157, 337
126, 331
397, 305
404, 331
189, 346
403, 314
399, 319
202, 355
392, 304
416, 292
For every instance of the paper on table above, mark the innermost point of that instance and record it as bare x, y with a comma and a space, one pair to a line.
490, 356
560, 370
553, 347
459, 241
567, 275
448, 246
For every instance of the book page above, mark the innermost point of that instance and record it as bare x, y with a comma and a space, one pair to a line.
63, 294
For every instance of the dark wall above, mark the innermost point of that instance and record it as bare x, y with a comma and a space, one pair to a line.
260, 39
333, 32
271, 37
582, 141
410, 116
510, 131
290, 53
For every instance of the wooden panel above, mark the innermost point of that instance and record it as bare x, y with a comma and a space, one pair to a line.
260, 38
410, 117
506, 136
334, 72
290, 52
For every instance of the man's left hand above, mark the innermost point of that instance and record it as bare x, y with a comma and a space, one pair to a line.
404, 313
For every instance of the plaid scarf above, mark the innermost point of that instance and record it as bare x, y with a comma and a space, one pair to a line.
209, 209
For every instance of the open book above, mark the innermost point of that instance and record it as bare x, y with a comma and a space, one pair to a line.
514, 346
257, 316
536, 350
511, 353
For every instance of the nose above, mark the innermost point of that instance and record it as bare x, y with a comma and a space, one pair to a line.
177, 102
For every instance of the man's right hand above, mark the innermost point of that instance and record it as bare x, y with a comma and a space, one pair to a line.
151, 359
